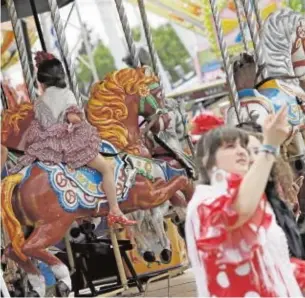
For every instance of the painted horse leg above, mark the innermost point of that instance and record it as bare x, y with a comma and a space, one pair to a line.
43, 237
138, 237
181, 198
27, 266
35, 278
157, 219
152, 196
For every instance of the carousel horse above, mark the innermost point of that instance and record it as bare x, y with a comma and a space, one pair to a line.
150, 223
245, 77
283, 43
40, 202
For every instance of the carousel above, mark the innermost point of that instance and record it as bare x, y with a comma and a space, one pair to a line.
56, 236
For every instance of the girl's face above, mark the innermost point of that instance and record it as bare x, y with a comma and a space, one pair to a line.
233, 158
253, 148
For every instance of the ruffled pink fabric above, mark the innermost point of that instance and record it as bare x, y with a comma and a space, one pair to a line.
75, 146
237, 245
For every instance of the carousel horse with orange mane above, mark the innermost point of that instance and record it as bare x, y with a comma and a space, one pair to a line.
40, 202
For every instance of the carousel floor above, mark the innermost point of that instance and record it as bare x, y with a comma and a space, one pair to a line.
180, 286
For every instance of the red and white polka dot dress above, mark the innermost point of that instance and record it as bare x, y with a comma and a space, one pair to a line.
249, 261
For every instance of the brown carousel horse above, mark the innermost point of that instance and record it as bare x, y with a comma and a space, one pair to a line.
34, 198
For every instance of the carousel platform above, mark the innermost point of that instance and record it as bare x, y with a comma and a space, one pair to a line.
182, 285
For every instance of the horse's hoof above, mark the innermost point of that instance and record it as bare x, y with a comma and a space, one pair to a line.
149, 257
62, 290
75, 232
166, 256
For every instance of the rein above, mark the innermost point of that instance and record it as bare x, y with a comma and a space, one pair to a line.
186, 136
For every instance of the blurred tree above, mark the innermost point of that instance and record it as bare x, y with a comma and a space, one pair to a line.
297, 5
103, 61
169, 47
136, 33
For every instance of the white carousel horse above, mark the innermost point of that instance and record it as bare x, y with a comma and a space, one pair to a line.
149, 233
283, 47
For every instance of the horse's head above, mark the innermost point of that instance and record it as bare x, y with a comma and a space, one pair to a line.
298, 52
15, 122
177, 110
151, 101
244, 69
116, 102
283, 40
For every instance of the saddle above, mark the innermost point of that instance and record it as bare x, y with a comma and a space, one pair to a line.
83, 188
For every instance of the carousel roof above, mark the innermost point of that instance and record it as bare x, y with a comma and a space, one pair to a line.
23, 8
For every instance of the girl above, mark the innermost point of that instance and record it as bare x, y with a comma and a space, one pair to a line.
234, 244
60, 133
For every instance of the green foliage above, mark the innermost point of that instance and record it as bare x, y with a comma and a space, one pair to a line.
136, 33
103, 60
104, 63
169, 47
297, 5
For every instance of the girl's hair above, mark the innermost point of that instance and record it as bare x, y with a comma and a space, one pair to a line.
210, 142
51, 73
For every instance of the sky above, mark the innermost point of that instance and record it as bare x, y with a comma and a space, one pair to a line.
91, 16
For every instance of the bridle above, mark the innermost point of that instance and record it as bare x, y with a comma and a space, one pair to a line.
151, 119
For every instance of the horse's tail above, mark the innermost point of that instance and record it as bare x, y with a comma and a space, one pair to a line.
9, 219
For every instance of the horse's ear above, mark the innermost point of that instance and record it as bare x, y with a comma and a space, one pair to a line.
148, 71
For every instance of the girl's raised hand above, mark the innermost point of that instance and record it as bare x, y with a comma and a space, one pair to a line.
276, 128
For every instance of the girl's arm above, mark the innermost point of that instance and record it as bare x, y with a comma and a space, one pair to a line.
254, 183
73, 118
252, 187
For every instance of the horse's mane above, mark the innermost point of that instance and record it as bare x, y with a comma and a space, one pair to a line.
277, 36
106, 108
11, 118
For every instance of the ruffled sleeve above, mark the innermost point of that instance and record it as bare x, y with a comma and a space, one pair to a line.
72, 106
216, 216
